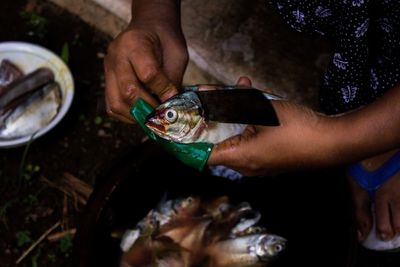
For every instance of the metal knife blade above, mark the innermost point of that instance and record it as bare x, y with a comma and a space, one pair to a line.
245, 106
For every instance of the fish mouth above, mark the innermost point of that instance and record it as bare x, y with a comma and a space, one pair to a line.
156, 126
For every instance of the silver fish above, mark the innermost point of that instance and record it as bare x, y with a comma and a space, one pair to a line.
200, 233
34, 113
166, 211
246, 223
24, 86
181, 119
9, 72
251, 250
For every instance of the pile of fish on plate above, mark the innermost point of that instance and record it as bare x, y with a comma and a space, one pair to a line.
192, 232
28, 102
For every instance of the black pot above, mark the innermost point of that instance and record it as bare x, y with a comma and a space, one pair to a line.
310, 209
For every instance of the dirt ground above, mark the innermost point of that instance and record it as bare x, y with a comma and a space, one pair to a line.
81, 145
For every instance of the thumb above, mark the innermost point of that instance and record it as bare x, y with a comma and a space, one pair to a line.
223, 153
244, 81
148, 70
230, 152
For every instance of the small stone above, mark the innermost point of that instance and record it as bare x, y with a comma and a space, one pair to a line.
107, 125
103, 133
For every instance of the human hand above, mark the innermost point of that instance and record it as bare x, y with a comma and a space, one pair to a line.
149, 57
259, 150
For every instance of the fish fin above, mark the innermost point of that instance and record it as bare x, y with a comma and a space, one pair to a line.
162, 200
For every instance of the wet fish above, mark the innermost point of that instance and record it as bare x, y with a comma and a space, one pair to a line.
181, 119
9, 72
211, 233
28, 84
165, 212
35, 112
251, 250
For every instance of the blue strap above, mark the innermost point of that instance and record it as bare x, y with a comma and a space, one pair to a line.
371, 181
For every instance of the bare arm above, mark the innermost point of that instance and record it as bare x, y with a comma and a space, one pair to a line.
370, 130
307, 139
148, 57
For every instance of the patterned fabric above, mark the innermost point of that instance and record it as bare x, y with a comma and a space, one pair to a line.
366, 37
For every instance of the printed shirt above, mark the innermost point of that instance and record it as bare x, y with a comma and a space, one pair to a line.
366, 39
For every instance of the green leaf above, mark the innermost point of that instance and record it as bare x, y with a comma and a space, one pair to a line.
66, 244
34, 260
65, 53
98, 120
36, 168
23, 237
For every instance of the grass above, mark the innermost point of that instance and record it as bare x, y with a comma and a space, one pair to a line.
36, 23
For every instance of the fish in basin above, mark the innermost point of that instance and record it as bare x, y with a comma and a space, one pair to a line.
195, 232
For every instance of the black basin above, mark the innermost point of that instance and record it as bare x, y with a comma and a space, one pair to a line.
310, 209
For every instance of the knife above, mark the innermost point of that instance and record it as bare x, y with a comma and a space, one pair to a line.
231, 104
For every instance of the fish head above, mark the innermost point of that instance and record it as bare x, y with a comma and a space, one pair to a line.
187, 206
270, 246
179, 119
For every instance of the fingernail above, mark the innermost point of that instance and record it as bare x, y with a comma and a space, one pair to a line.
131, 88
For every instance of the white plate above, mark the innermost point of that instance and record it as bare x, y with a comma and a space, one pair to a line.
29, 57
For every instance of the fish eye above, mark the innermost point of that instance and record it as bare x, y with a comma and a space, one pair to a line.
278, 248
171, 115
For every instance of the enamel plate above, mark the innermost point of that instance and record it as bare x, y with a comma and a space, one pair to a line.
28, 57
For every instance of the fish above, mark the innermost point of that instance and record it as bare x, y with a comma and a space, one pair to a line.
245, 251
151, 253
166, 211
212, 233
34, 113
24, 86
9, 72
181, 119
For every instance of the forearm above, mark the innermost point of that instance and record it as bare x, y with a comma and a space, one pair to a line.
160, 10
368, 131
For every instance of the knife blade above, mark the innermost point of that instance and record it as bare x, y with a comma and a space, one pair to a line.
239, 105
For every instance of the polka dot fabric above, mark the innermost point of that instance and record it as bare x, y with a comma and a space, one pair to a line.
366, 37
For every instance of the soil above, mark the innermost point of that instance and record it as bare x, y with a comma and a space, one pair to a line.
82, 144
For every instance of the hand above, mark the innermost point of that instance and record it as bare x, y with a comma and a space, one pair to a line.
149, 57
298, 141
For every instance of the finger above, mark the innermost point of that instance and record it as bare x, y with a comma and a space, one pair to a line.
383, 224
175, 62
209, 87
395, 212
231, 151
115, 106
244, 81
120, 117
224, 153
129, 86
149, 72
362, 210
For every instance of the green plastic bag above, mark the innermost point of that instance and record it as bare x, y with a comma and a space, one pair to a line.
194, 154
